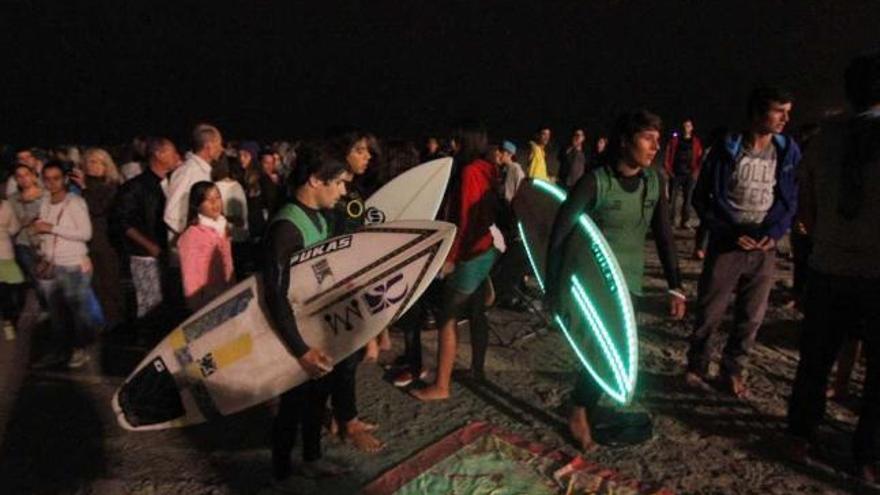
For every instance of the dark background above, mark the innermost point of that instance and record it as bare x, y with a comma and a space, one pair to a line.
89, 72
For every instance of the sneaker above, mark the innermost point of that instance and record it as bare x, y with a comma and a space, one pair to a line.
405, 378
78, 359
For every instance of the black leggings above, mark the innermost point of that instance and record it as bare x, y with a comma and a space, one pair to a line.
10, 301
301, 406
343, 388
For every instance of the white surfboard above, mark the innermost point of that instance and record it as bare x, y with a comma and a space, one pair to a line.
227, 357
413, 195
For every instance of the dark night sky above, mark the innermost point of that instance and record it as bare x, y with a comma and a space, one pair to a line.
91, 73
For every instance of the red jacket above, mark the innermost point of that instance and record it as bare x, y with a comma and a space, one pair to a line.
672, 148
477, 208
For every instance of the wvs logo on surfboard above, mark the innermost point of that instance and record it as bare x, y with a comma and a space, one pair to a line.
343, 321
333, 245
385, 294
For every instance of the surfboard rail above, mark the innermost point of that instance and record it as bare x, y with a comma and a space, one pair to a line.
620, 357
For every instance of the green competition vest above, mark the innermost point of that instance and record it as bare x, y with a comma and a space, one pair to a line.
311, 233
624, 218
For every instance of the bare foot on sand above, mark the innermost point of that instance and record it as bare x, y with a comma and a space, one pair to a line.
359, 434
736, 384
580, 429
323, 468
695, 380
368, 426
430, 393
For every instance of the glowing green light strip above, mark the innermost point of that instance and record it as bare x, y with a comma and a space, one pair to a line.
554, 191
600, 331
622, 297
621, 294
612, 392
522, 235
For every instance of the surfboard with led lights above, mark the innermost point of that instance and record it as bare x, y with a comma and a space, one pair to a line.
595, 311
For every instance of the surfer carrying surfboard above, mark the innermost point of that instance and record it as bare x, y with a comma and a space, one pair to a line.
351, 147
624, 198
318, 184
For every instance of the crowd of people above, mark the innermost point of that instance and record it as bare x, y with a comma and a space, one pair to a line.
77, 228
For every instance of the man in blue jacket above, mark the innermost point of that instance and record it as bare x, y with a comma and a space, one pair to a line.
747, 196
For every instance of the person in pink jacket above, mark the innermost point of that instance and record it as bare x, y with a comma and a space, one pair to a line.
205, 247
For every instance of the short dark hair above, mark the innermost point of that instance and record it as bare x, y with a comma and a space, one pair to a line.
762, 97
265, 151
626, 127
22, 165
310, 161
155, 144
863, 80
197, 194
63, 167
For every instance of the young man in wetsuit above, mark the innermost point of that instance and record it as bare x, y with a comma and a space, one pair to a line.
318, 183
746, 196
624, 197
351, 147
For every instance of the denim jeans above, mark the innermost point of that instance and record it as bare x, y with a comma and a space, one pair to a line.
71, 300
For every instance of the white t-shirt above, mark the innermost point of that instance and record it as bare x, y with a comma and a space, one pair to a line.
750, 191
193, 170
513, 176
72, 228
11, 187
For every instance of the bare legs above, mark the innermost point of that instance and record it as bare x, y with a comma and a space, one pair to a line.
448, 342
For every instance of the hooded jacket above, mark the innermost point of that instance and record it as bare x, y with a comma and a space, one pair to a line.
711, 194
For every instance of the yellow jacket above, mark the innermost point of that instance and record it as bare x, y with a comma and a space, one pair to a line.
537, 162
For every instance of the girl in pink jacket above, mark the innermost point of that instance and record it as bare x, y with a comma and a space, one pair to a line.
205, 248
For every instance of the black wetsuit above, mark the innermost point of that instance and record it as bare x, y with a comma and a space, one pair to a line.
303, 405
348, 216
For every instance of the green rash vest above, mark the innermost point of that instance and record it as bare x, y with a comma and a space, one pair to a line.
311, 233
624, 218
